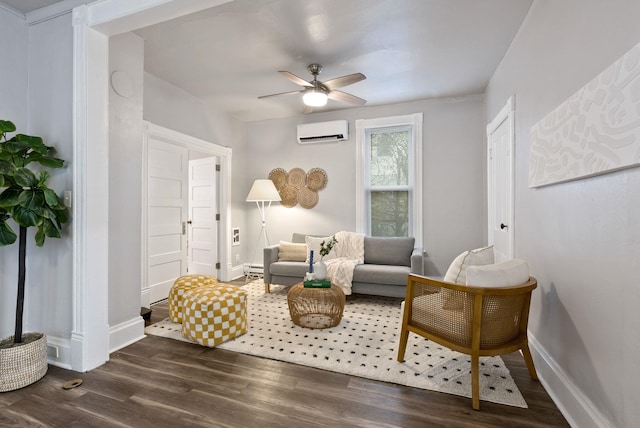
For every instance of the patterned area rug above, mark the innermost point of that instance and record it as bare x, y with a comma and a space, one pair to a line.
363, 344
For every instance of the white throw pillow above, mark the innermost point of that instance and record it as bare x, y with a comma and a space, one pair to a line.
457, 274
505, 274
289, 251
313, 243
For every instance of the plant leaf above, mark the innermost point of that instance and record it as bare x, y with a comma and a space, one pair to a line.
15, 147
50, 197
51, 162
6, 167
7, 235
39, 237
32, 142
25, 217
9, 198
50, 229
32, 200
7, 126
62, 215
25, 177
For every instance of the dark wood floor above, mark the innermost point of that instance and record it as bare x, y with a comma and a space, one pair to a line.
159, 382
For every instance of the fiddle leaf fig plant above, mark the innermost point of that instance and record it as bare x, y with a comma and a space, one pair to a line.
26, 199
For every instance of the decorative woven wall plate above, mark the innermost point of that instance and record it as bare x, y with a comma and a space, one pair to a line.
297, 177
316, 179
307, 198
279, 177
289, 195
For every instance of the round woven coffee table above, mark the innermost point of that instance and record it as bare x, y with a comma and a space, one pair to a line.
315, 307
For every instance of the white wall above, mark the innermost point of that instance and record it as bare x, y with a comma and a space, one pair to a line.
35, 93
13, 106
126, 55
50, 116
581, 238
454, 191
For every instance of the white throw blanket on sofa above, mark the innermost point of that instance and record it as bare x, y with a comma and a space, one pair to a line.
342, 260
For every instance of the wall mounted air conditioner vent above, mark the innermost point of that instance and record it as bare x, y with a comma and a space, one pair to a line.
323, 132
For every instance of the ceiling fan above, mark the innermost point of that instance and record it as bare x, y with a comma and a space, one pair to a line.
315, 92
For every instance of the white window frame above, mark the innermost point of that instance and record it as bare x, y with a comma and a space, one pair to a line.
415, 176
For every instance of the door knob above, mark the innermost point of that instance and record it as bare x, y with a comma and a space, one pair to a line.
503, 226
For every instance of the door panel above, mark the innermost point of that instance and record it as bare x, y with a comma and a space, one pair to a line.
203, 207
500, 180
167, 189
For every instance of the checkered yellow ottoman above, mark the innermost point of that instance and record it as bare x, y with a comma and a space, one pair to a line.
181, 286
215, 314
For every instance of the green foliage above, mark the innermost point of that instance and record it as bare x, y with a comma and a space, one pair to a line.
326, 247
26, 198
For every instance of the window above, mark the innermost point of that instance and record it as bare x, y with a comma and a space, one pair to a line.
389, 176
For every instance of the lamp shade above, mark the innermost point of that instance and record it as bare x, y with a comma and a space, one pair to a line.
263, 190
314, 98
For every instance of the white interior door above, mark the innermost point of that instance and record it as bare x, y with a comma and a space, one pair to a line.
500, 181
203, 207
167, 208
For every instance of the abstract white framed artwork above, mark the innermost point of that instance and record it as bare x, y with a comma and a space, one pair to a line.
595, 131
235, 237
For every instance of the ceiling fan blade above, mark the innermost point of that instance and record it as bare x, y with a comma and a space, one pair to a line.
306, 109
281, 93
295, 79
339, 82
347, 98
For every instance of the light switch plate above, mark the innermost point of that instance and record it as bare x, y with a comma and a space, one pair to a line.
68, 201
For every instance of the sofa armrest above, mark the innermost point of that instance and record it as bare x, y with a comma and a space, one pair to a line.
417, 262
270, 255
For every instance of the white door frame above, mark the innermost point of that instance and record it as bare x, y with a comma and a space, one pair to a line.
506, 114
151, 130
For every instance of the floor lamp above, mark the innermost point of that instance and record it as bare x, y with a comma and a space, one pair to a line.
262, 191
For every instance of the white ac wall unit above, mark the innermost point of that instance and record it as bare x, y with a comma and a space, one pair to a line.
323, 132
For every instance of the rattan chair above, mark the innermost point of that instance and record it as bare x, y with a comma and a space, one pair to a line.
479, 321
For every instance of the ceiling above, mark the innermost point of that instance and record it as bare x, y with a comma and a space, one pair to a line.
229, 55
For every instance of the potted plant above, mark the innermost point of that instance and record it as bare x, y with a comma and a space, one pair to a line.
25, 199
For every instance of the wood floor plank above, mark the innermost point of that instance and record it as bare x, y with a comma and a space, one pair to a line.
160, 382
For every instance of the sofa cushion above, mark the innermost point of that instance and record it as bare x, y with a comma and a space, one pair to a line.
381, 274
289, 251
295, 269
388, 251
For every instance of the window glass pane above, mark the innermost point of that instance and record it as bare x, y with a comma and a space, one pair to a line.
389, 158
390, 213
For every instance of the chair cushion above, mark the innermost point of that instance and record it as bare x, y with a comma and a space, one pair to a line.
457, 273
511, 272
289, 251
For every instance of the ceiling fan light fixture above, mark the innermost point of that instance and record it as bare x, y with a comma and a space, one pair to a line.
314, 98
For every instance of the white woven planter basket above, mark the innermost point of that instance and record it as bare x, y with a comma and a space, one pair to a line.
23, 365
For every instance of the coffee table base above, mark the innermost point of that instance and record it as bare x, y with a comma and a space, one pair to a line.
316, 307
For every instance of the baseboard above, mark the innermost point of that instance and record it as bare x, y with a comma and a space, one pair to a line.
236, 272
575, 406
126, 333
59, 352
145, 297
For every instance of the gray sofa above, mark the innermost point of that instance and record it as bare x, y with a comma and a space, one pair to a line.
387, 264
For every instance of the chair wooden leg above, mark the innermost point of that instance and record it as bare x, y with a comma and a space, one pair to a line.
266, 288
402, 346
526, 353
475, 381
